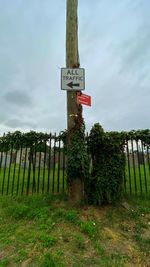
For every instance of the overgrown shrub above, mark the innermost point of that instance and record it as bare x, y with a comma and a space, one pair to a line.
77, 166
107, 166
77, 159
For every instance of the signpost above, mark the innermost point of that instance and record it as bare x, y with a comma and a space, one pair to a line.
84, 99
72, 79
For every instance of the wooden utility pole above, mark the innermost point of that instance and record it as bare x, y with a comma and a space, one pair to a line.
72, 57
73, 109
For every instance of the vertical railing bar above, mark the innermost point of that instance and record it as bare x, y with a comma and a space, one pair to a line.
49, 164
43, 181
125, 189
39, 170
4, 173
133, 158
24, 171
145, 177
30, 158
148, 158
0, 168
58, 174
139, 167
14, 172
18, 178
125, 172
53, 182
9, 168
34, 169
1, 160
1, 156
129, 168
63, 168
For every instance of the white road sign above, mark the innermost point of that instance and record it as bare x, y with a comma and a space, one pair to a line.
72, 79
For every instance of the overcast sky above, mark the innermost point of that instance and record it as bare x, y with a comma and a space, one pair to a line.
114, 48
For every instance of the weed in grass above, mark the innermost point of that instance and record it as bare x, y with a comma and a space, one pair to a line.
88, 227
100, 250
4, 262
39, 201
124, 227
143, 243
33, 208
110, 216
47, 225
59, 214
72, 216
22, 255
47, 240
66, 237
23, 236
50, 223
144, 210
50, 261
7, 230
143, 203
134, 214
114, 260
60, 253
87, 261
43, 226
39, 214
18, 211
66, 215
119, 257
140, 226
138, 237
79, 242
138, 229
5, 239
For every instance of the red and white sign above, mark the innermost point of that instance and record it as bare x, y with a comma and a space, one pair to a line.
83, 99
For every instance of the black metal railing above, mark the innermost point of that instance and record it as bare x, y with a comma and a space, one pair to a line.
28, 169
137, 172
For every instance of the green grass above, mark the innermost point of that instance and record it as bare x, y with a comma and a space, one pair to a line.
54, 181
45, 181
138, 182
46, 231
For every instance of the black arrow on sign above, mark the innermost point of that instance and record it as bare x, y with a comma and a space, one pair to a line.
71, 85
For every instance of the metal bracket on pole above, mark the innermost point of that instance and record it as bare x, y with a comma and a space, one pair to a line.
73, 115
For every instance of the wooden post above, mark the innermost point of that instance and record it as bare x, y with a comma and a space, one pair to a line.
75, 187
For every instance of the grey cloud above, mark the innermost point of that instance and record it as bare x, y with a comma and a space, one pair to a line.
135, 52
18, 98
14, 123
134, 118
31, 51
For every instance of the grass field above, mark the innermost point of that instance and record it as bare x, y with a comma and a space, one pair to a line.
22, 181
138, 180
18, 181
44, 231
